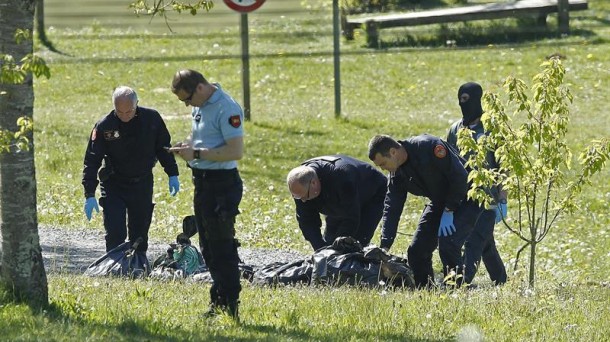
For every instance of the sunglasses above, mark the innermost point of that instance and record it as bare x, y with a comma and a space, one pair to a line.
306, 197
188, 99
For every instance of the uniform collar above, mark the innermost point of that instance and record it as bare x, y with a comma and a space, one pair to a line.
477, 125
216, 94
408, 147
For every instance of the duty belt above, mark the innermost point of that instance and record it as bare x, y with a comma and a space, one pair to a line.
213, 173
129, 180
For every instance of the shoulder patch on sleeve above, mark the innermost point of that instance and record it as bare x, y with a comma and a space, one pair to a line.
235, 120
93, 134
440, 151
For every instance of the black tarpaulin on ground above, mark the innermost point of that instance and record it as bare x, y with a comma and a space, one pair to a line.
122, 260
344, 262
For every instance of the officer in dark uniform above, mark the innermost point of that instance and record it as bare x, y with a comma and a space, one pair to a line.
348, 191
481, 243
129, 141
426, 166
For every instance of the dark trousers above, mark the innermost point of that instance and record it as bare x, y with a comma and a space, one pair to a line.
482, 245
216, 201
370, 215
128, 210
423, 244
426, 239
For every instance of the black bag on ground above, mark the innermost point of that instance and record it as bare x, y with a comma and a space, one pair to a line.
344, 262
123, 260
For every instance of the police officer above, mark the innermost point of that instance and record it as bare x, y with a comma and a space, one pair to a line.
426, 166
481, 243
212, 150
129, 140
348, 191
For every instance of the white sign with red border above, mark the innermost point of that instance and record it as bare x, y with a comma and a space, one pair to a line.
244, 6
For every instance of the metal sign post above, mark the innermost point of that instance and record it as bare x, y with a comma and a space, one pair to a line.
337, 57
243, 7
245, 63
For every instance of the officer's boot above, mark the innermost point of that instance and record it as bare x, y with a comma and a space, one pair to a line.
217, 305
211, 312
233, 310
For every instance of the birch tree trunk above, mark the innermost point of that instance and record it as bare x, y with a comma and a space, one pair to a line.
22, 270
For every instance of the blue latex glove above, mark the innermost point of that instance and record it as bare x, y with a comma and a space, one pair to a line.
90, 204
174, 185
501, 211
446, 228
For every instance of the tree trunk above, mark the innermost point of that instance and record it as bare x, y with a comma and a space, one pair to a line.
42, 34
532, 275
22, 269
40, 28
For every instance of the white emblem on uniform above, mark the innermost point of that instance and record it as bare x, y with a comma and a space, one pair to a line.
116, 134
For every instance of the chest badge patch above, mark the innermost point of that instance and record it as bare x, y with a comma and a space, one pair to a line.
111, 135
440, 151
235, 121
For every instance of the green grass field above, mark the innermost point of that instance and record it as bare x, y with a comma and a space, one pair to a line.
406, 89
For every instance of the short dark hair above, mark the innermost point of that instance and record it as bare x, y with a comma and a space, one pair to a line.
187, 80
382, 144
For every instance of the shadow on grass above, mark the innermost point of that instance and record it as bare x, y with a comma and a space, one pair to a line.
60, 318
471, 35
295, 333
399, 5
470, 38
55, 323
127, 330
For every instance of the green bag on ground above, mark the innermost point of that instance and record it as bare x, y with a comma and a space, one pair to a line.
187, 258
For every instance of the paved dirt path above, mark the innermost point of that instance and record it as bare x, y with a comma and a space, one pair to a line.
73, 250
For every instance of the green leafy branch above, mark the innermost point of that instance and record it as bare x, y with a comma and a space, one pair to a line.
161, 7
17, 141
530, 146
12, 72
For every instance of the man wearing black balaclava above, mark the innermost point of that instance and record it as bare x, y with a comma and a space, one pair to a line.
480, 244
469, 97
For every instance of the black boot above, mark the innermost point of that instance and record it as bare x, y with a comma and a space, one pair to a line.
217, 306
213, 311
233, 310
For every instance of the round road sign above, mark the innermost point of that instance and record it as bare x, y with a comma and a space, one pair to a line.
244, 5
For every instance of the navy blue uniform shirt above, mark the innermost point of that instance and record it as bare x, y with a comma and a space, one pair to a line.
434, 170
131, 148
347, 184
477, 131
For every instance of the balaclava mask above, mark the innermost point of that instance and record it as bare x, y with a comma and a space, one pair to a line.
469, 97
